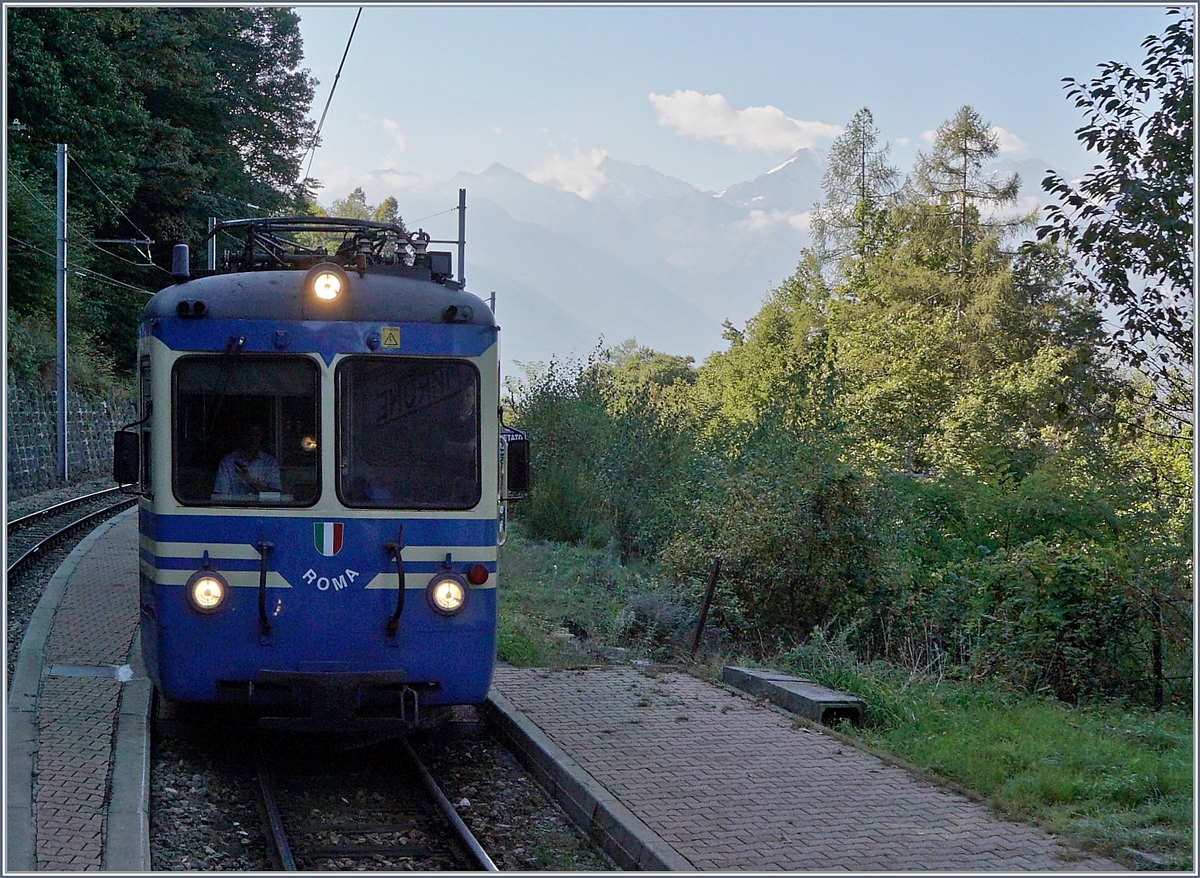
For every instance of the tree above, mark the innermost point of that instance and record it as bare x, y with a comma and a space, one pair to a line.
66, 85
171, 116
951, 174
388, 211
1131, 219
858, 184
353, 206
228, 115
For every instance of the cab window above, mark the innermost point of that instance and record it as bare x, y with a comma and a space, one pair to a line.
408, 433
245, 431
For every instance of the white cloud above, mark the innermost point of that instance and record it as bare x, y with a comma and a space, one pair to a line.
1023, 207
902, 141
757, 220
393, 129
1008, 141
754, 129
578, 172
495, 129
802, 222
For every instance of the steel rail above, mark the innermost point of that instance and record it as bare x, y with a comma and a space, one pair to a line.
464, 834
33, 552
25, 520
274, 817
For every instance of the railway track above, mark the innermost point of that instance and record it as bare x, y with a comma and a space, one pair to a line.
32, 536
374, 807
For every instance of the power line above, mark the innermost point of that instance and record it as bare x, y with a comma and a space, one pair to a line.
95, 244
233, 202
103, 278
80, 237
106, 198
333, 88
34, 196
431, 216
80, 269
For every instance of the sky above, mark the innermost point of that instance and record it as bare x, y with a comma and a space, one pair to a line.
712, 95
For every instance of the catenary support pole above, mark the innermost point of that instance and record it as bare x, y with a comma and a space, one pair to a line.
60, 283
462, 234
212, 244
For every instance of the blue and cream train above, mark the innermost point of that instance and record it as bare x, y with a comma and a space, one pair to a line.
323, 474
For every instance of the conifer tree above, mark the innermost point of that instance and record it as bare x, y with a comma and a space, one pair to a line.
951, 176
858, 185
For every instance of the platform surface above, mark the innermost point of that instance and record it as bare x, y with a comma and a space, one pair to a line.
77, 749
729, 783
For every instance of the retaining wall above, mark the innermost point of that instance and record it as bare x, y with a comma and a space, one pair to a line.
31, 435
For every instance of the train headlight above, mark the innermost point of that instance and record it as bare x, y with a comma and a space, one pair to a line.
447, 593
207, 591
327, 281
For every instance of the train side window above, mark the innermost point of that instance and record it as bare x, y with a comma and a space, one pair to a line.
147, 470
408, 433
245, 431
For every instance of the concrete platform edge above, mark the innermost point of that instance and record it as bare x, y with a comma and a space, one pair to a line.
127, 840
623, 836
21, 710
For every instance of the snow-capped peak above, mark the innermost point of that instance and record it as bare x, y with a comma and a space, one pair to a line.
780, 167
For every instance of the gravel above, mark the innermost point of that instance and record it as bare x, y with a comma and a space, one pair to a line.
204, 813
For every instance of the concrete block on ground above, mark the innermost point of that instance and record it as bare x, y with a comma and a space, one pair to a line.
798, 696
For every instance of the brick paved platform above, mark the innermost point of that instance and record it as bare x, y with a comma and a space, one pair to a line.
77, 751
716, 781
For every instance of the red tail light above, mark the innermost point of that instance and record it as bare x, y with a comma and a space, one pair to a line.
477, 575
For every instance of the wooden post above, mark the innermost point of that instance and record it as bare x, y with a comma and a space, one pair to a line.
713, 572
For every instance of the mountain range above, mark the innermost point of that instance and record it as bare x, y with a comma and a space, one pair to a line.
647, 256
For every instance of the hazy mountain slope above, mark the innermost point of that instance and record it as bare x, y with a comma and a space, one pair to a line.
593, 287
533, 328
649, 256
791, 186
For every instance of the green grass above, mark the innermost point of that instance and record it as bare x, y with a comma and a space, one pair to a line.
1109, 778
544, 585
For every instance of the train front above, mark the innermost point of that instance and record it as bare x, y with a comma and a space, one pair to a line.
319, 469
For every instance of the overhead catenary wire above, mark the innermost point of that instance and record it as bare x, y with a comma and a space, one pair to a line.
120, 212
81, 269
79, 237
317, 134
231, 202
432, 215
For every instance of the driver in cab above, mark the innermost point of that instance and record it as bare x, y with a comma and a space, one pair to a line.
247, 470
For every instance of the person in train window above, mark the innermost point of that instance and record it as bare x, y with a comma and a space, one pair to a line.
247, 469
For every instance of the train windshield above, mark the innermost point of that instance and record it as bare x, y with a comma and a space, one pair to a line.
408, 433
245, 431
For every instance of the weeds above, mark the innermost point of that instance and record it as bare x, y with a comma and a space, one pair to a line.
1112, 778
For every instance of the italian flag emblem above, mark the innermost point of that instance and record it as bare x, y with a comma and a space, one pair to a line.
328, 537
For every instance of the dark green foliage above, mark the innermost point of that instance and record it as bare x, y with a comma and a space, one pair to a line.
563, 413
1054, 619
170, 116
611, 454
796, 534
1131, 219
